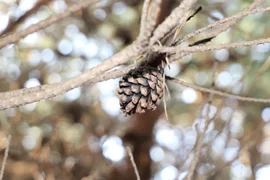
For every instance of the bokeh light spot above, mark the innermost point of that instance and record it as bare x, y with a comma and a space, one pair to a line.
222, 55
119, 8
266, 114
73, 94
168, 138
33, 82
4, 19
168, 173
263, 173
156, 153
189, 95
113, 149
65, 47
224, 79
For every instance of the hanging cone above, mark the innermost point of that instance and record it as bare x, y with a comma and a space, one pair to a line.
141, 89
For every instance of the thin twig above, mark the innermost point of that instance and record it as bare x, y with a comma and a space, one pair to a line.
264, 67
133, 163
5, 157
220, 93
246, 72
181, 25
228, 122
201, 135
233, 21
177, 56
222, 21
164, 97
14, 37
248, 142
170, 22
202, 48
178, 28
13, 23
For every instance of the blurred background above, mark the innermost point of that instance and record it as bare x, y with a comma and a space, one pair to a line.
82, 135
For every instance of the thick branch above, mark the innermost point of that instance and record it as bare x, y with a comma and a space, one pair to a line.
150, 14
26, 96
144, 16
106, 76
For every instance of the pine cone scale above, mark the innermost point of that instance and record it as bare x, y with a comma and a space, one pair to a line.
142, 81
146, 75
143, 103
132, 80
153, 78
135, 99
151, 84
129, 107
127, 91
124, 84
154, 96
135, 88
159, 76
144, 90
159, 90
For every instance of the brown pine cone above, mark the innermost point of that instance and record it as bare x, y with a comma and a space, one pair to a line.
141, 88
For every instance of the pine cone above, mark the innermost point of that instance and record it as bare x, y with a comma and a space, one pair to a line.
141, 88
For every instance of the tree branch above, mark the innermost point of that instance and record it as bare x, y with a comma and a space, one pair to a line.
13, 24
149, 20
26, 96
144, 17
133, 163
220, 93
233, 21
201, 48
206, 120
170, 22
223, 21
4, 162
14, 37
